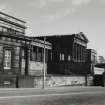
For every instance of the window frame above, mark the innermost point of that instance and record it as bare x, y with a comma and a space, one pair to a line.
10, 58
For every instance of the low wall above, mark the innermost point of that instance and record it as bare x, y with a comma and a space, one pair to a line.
90, 81
25, 82
7, 81
52, 81
37, 81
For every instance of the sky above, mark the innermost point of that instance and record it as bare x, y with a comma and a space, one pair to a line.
48, 17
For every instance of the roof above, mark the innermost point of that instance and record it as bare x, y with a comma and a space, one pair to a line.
12, 17
80, 35
12, 20
40, 41
92, 51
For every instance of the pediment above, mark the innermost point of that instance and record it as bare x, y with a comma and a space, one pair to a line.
82, 36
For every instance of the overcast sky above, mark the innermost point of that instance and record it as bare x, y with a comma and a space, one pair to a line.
62, 17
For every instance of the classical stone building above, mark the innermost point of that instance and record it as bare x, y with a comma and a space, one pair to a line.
68, 54
37, 56
20, 55
12, 43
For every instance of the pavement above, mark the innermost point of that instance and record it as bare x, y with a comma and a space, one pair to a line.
48, 89
52, 90
75, 95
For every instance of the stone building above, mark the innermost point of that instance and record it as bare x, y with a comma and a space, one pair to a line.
37, 56
12, 43
68, 54
19, 54
22, 57
91, 60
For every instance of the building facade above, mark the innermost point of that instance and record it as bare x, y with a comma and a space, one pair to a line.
68, 54
91, 60
36, 65
20, 55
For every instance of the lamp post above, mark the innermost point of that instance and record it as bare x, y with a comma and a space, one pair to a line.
44, 63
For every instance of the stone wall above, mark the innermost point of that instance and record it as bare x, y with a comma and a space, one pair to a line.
90, 81
37, 81
52, 81
26, 82
36, 68
7, 81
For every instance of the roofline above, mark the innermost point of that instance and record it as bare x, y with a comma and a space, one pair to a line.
12, 17
92, 50
15, 36
58, 35
51, 35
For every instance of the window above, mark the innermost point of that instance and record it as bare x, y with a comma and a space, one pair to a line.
4, 30
60, 56
23, 53
3, 38
1, 29
68, 57
46, 58
33, 55
63, 57
7, 59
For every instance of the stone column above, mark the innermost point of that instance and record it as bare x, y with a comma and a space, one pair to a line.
37, 53
32, 52
16, 63
75, 51
27, 67
81, 54
84, 54
103, 80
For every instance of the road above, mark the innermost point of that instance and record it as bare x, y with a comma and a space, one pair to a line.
54, 96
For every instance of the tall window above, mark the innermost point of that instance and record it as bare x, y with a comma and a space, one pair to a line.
23, 53
62, 56
39, 57
33, 55
69, 58
7, 59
